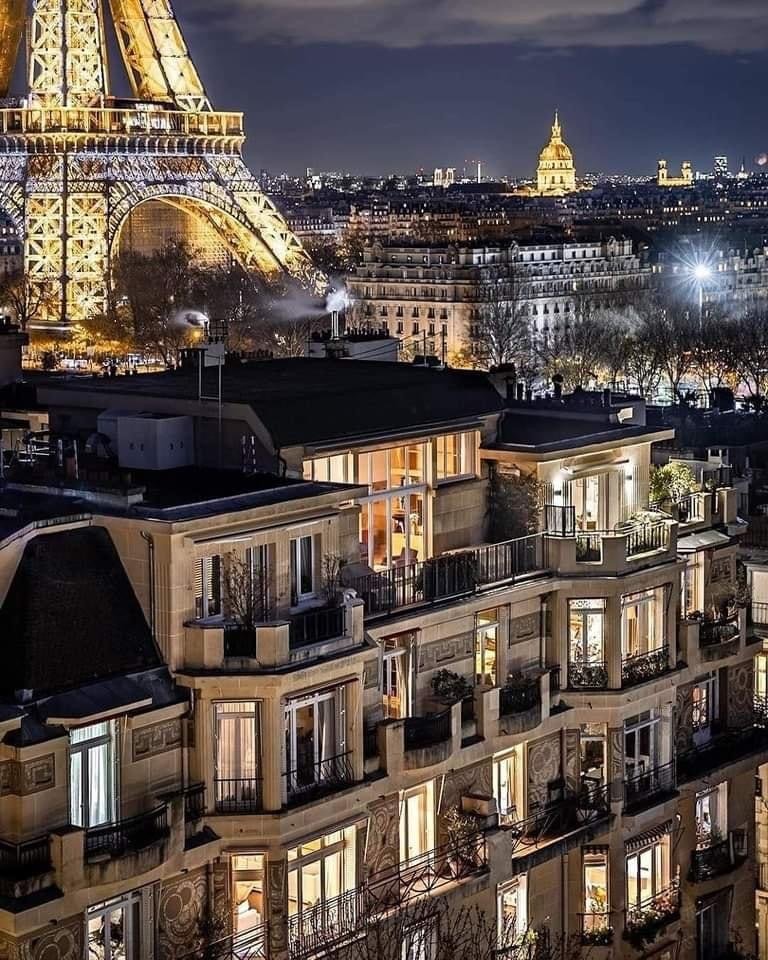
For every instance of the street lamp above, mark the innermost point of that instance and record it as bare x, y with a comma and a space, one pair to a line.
702, 273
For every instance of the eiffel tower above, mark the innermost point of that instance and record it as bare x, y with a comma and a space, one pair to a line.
75, 160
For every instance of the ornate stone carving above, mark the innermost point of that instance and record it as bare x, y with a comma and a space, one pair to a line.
740, 687
384, 835
27, 778
684, 718
157, 738
277, 893
62, 942
544, 766
523, 628
181, 909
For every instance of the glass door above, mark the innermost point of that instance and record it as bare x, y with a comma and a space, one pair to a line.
314, 737
92, 787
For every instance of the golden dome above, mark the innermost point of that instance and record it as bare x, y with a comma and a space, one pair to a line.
556, 149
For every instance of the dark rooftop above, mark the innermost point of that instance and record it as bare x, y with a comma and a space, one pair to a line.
306, 401
71, 616
541, 432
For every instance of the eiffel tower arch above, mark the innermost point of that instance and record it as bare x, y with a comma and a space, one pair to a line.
75, 161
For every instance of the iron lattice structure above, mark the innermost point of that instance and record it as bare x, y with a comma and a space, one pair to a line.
75, 161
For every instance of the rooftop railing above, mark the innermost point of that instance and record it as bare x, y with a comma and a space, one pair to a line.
129, 835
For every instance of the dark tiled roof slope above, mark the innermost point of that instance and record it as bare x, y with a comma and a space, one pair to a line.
71, 616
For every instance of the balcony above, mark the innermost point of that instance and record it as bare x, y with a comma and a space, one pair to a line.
571, 550
724, 748
718, 858
327, 924
250, 944
519, 698
713, 633
127, 836
644, 920
596, 929
643, 667
422, 875
583, 675
758, 614
313, 780
420, 732
647, 789
24, 866
574, 810
451, 576
316, 626
239, 796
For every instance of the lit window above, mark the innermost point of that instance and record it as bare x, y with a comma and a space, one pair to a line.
512, 910
486, 645
505, 788
455, 455
92, 787
238, 755
647, 872
248, 890
117, 929
596, 903
417, 822
302, 569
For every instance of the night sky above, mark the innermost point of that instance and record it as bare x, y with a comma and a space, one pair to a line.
381, 85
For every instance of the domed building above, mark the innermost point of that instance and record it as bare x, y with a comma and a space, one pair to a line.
556, 174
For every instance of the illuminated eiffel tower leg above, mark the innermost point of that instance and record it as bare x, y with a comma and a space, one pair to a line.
74, 161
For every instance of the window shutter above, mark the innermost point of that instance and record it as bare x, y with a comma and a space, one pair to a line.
199, 607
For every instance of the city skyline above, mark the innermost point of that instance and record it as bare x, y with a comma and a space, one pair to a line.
376, 107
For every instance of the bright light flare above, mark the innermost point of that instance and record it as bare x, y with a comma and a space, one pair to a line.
702, 272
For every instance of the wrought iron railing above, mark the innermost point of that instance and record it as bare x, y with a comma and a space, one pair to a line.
643, 667
124, 836
28, 859
654, 912
716, 859
560, 521
313, 779
759, 710
450, 576
724, 748
592, 675
194, 803
421, 732
647, 538
249, 944
758, 613
554, 678
317, 626
325, 925
422, 875
714, 632
646, 788
589, 547
519, 699
238, 795
575, 809
596, 929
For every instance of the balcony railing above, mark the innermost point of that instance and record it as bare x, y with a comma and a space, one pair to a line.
717, 478
645, 789
592, 675
643, 667
250, 944
194, 803
519, 699
560, 521
130, 835
21, 861
719, 858
240, 795
316, 626
450, 576
327, 924
647, 538
758, 613
647, 917
723, 749
714, 632
136, 120
596, 929
554, 678
314, 779
589, 547
559, 817
419, 732
422, 875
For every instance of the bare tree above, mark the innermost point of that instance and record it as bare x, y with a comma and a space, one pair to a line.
667, 323
28, 299
246, 591
713, 350
750, 352
503, 327
578, 350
